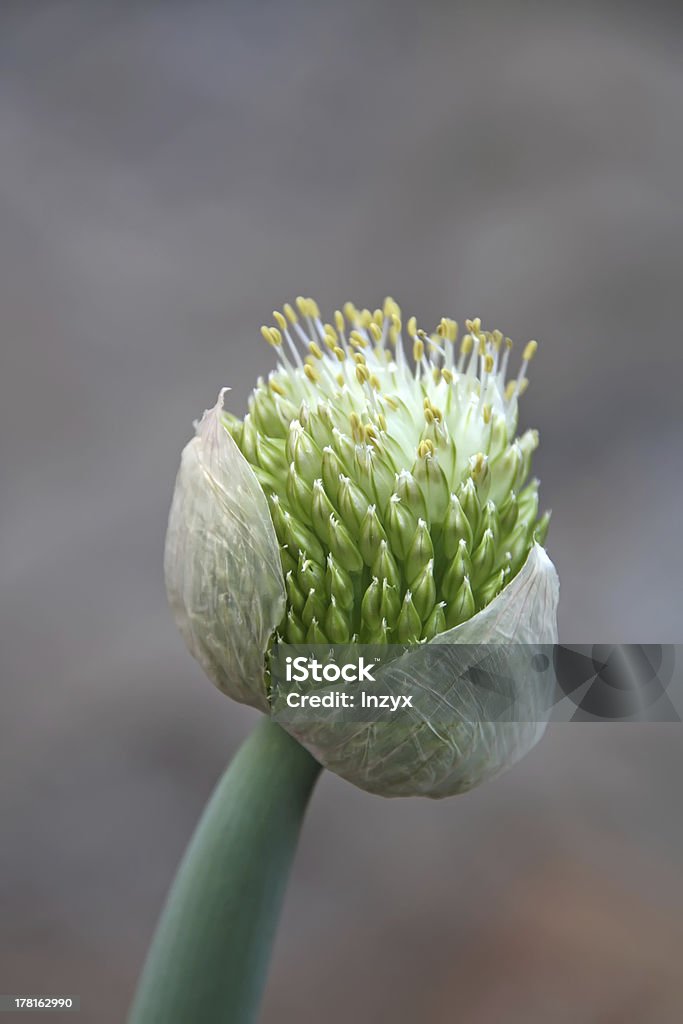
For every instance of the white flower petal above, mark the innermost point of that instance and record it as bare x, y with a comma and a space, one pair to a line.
222, 565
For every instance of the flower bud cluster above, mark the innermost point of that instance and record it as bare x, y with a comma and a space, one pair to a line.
398, 489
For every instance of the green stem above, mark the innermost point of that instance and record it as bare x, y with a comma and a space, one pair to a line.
209, 957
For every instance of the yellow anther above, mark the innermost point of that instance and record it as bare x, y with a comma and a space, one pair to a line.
277, 388
370, 431
279, 320
523, 385
425, 449
339, 320
302, 305
357, 340
530, 350
374, 382
272, 336
510, 389
329, 329
358, 358
290, 313
466, 344
429, 416
488, 363
482, 345
365, 318
329, 341
393, 335
391, 307
315, 350
447, 375
478, 463
411, 326
486, 413
311, 373
381, 421
376, 331
313, 309
508, 343
340, 380
497, 337
378, 317
362, 373
396, 321
391, 402
418, 349
350, 312
426, 404
340, 354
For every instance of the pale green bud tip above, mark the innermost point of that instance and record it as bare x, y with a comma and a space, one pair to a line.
392, 458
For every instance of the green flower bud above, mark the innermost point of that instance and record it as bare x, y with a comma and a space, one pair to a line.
249, 435
339, 584
371, 535
299, 494
299, 537
287, 561
337, 624
390, 603
384, 566
433, 484
541, 531
460, 567
409, 625
331, 469
301, 450
322, 511
315, 607
410, 493
483, 557
294, 596
436, 623
310, 574
424, 591
401, 525
294, 630
469, 502
505, 470
481, 475
370, 607
489, 519
314, 634
507, 514
376, 474
462, 607
456, 527
367, 496
342, 546
352, 504
420, 552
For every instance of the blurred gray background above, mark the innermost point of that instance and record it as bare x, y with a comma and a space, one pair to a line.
170, 173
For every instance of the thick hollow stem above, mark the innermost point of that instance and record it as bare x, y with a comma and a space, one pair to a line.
209, 958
